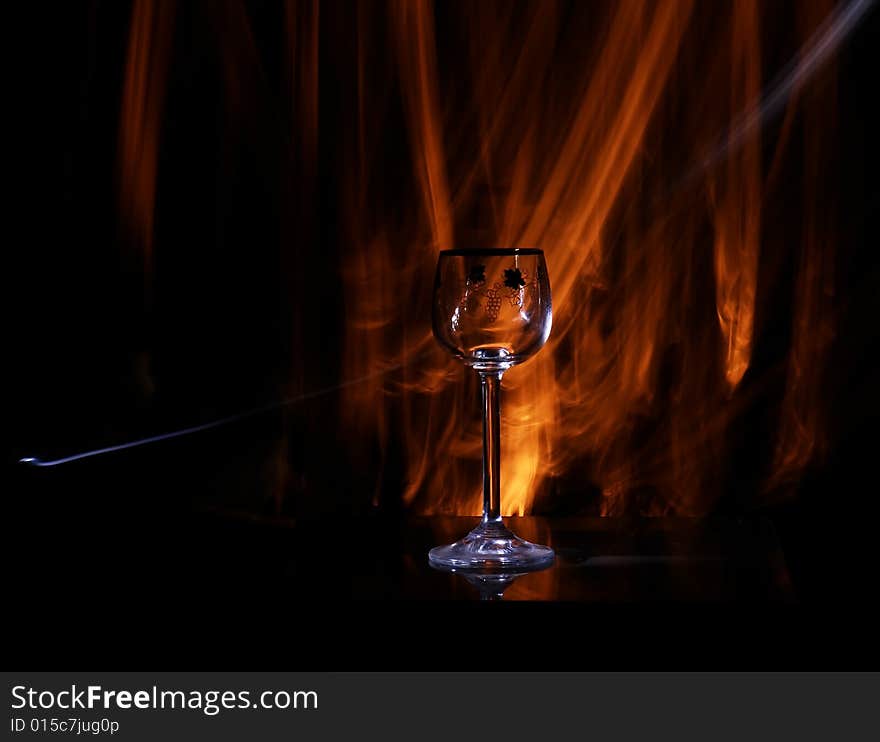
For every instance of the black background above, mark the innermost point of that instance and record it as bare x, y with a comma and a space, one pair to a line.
107, 558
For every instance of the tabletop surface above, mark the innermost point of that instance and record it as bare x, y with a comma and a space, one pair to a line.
602, 560
196, 518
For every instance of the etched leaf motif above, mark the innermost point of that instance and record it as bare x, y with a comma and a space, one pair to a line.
477, 274
513, 278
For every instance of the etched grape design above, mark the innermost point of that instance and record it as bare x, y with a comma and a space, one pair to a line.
511, 288
493, 303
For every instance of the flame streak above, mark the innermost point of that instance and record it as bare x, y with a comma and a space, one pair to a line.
801, 421
738, 208
143, 98
564, 140
415, 35
559, 125
836, 26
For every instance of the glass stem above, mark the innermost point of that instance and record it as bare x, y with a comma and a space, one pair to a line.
491, 385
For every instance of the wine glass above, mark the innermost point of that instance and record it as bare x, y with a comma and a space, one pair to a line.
491, 311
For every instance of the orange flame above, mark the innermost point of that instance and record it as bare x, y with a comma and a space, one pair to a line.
143, 98
571, 131
802, 424
570, 141
738, 205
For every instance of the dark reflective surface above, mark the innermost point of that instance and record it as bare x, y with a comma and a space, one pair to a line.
198, 519
598, 560
183, 549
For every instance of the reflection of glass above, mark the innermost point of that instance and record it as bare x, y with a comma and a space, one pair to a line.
491, 584
492, 310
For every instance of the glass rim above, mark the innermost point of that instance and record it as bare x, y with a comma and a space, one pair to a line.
491, 251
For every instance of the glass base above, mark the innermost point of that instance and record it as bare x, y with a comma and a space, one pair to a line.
490, 546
